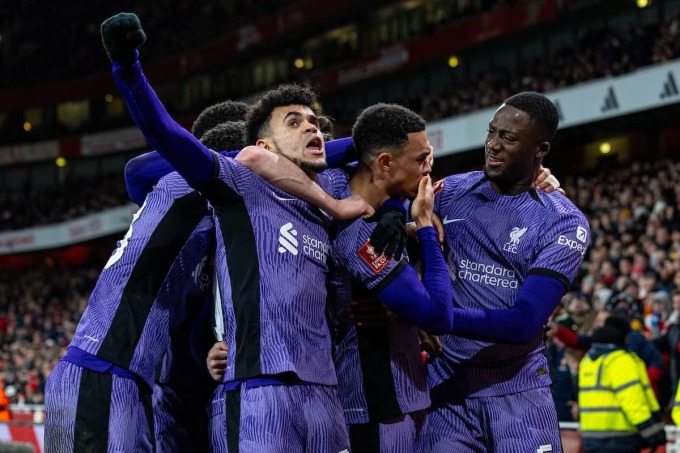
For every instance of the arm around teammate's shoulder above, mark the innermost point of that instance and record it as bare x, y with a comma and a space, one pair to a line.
537, 299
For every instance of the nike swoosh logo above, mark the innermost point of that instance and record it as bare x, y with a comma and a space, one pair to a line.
283, 199
445, 221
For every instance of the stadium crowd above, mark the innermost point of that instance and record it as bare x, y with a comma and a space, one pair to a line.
73, 198
633, 263
39, 310
601, 52
632, 270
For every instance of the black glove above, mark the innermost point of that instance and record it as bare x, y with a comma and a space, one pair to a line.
652, 432
121, 35
389, 235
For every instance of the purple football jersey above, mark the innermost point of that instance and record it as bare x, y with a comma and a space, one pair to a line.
492, 242
271, 265
380, 372
157, 268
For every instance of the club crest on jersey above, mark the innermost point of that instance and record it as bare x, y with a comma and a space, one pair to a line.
515, 235
200, 274
437, 187
368, 254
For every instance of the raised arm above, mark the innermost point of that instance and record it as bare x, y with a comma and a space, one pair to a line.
122, 34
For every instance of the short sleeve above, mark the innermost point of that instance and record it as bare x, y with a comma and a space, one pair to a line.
566, 243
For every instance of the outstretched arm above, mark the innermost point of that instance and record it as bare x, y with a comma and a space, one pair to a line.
537, 299
426, 304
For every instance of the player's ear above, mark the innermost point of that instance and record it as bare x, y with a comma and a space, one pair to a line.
263, 143
542, 150
384, 161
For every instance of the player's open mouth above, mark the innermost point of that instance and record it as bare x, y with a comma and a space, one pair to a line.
493, 161
315, 146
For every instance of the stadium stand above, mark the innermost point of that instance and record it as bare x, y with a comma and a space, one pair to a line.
74, 198
632, 203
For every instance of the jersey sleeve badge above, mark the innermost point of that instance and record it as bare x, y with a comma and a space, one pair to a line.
376, 262
437, 187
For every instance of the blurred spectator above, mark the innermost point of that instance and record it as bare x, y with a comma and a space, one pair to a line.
565, 388
5, 413
675, 412
41, 310
616, 411
635, 341
669, 344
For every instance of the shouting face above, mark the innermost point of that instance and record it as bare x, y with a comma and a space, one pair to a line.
295, 134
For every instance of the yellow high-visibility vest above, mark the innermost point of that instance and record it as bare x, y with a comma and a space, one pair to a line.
644, 380
611, 397
675, 412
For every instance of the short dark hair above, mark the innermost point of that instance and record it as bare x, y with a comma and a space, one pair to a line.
227, 136
259, 115
383, 127
540, 109
216, 114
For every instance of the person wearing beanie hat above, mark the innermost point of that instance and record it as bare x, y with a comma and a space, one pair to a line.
617, 323
609, 335
616, 412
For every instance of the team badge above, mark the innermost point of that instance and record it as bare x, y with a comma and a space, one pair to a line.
375, 262
515, 235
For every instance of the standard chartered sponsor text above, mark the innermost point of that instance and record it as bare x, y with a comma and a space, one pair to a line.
315, 248
489, 274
